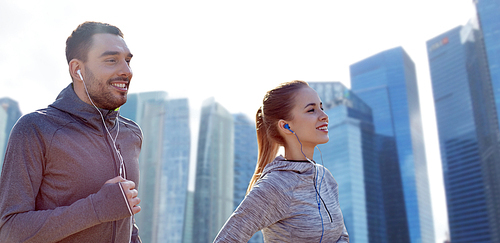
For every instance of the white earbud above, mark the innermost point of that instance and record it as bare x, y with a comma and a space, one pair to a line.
80, 74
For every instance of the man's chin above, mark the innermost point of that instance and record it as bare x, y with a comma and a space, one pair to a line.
115, 105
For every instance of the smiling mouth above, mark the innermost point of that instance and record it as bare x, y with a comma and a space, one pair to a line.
120, 86
323, 128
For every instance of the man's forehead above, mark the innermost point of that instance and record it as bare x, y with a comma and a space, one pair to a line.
108, 44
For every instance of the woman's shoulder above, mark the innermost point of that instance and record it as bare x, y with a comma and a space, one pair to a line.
283, 171
282, 176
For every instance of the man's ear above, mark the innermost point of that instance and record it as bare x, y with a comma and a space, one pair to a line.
74, 66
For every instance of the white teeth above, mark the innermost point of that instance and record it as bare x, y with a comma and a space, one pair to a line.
323, 128
119, 85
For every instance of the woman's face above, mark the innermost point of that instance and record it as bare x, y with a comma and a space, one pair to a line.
310, 122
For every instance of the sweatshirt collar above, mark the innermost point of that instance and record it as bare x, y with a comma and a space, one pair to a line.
69, 102
280, 163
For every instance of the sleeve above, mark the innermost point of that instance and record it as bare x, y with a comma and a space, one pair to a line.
344, 237
266, 204
20, 181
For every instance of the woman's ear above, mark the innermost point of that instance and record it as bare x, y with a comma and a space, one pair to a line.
284, 127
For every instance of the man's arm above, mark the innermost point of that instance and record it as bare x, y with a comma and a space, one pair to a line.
20, 182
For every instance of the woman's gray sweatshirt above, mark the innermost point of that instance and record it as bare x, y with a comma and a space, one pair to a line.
284, 205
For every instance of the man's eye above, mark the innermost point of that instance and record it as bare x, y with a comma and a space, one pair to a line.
110, 60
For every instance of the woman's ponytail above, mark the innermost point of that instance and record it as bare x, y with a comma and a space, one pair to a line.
277, 105
266, 147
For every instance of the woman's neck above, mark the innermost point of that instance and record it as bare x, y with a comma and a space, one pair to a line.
293, 153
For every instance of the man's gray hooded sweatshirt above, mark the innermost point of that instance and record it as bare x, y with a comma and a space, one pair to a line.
56, 164
284, 205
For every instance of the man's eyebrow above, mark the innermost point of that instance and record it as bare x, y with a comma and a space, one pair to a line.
113, 53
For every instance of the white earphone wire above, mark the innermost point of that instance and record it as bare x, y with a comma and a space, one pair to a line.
122, 172
122, 164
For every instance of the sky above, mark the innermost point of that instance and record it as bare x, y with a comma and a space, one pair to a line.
233, 50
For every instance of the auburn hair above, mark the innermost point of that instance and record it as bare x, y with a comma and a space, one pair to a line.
276, 105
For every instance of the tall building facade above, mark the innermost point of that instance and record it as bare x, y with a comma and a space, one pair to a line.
3, 135
174, 171
489, 22
468, 131
213, 195
9, 114
163, 163
387, 83
350, 156
245, 160
187, 232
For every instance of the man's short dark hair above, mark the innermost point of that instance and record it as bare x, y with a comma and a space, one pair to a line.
80, 41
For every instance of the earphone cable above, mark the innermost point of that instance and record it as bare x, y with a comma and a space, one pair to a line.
122, 164
321, 181
120, 158
315, 176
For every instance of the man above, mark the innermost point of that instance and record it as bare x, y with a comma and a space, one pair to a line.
71, 169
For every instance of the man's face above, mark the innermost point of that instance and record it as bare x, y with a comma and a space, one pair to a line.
107, 71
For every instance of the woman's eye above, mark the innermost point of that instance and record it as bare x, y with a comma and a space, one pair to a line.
311, 110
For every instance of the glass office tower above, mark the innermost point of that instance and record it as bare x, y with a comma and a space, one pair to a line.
245, 155
489, 21
187, 234
213, 195
3, 136
245, 160
350, 156
163, 163
468, 133
174, 171
147, 110
9, 114
387, 83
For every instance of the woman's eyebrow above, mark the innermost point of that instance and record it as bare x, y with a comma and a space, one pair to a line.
313, 104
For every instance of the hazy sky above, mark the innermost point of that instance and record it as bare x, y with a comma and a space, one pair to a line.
231, 50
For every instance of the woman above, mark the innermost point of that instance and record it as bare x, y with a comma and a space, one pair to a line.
290, 198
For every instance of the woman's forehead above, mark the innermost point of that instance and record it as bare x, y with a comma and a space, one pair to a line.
306, 96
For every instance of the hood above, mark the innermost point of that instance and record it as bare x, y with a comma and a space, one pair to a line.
281, 164
67, 101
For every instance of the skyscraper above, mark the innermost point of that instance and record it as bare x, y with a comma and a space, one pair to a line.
489, 22
245, 160
387, 83
213, 195
9, 114
164, 163
3, 135
468, 132
350, 156
245, 155
147, 109
187, 232
174, 171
